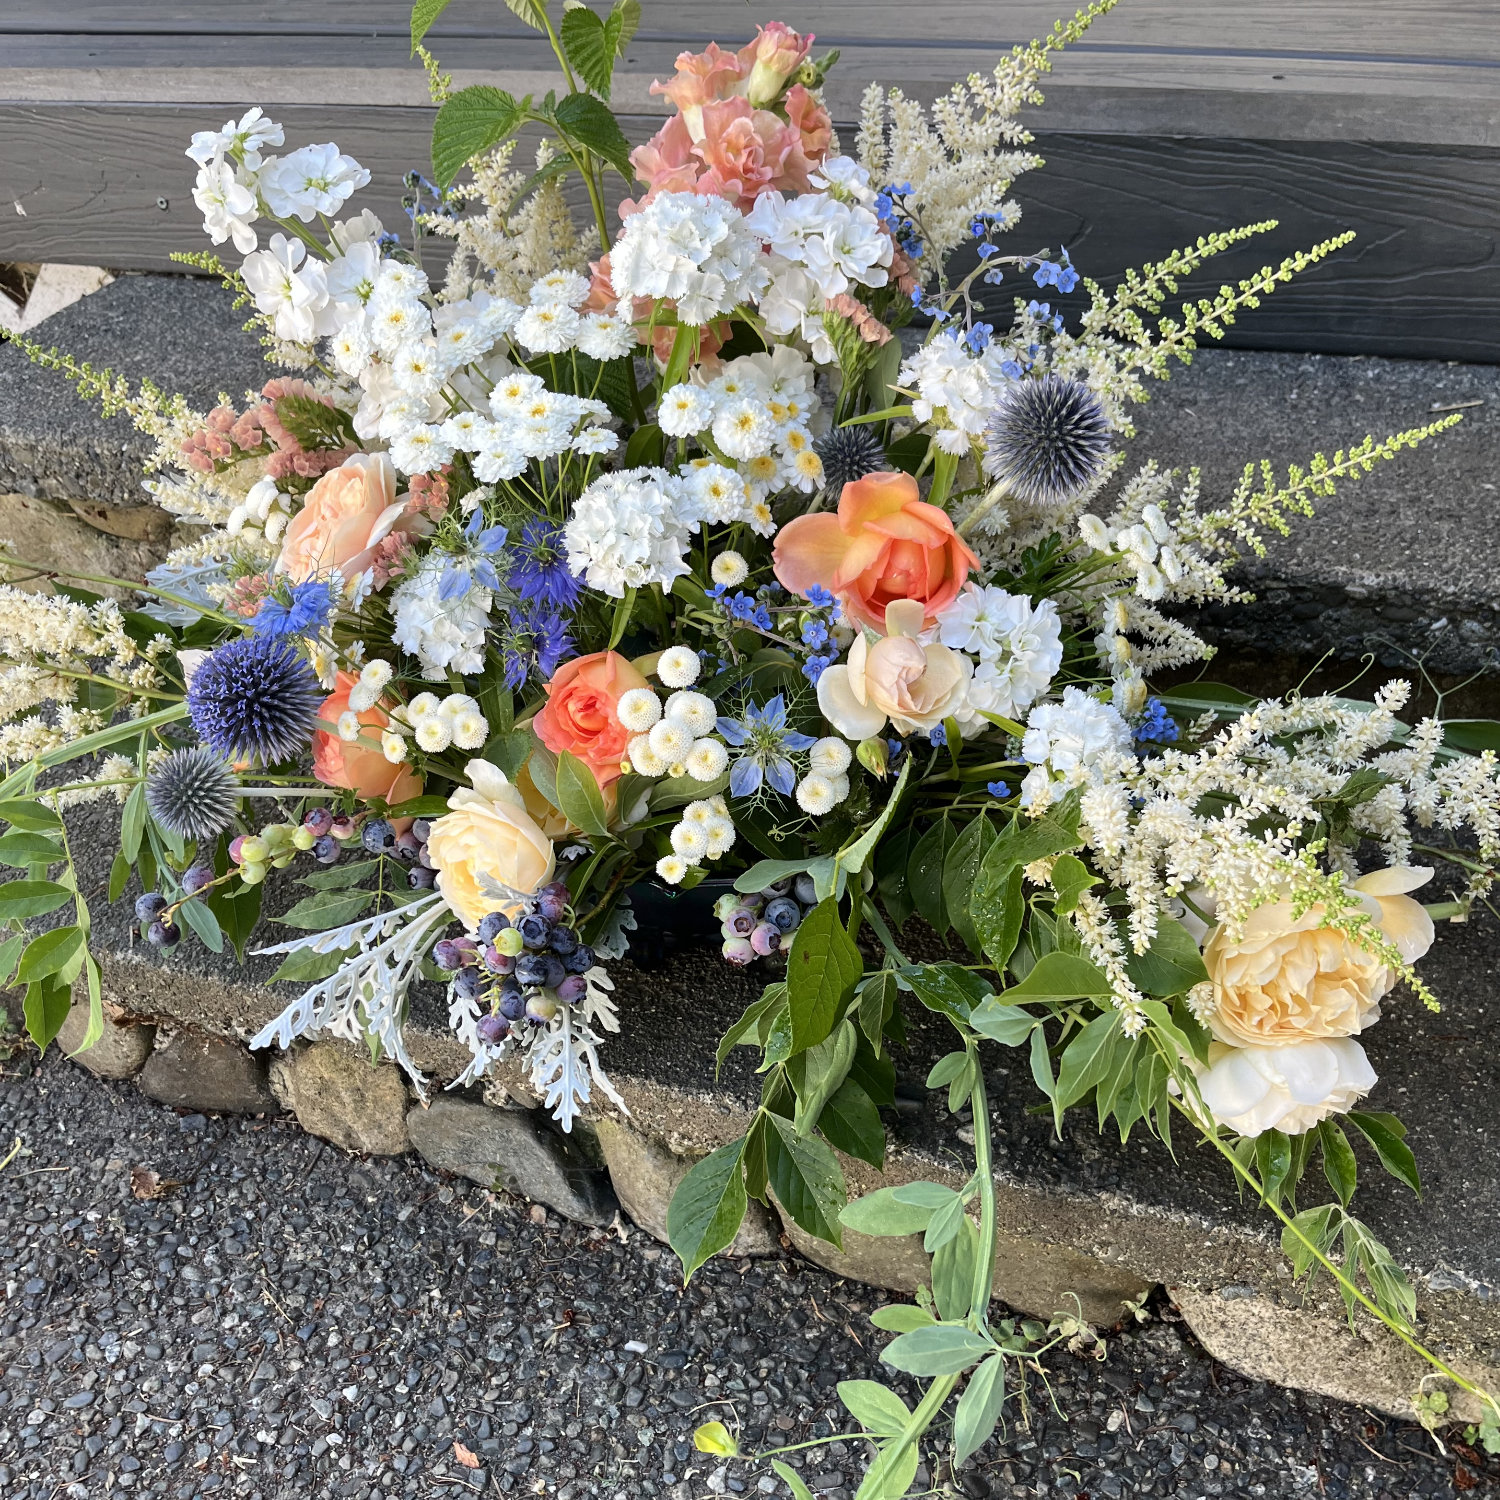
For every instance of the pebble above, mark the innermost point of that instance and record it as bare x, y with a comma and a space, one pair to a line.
335, 1346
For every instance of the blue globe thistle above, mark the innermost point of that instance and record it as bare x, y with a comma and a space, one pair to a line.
1047, 440
254, 699
192, 793
848, 453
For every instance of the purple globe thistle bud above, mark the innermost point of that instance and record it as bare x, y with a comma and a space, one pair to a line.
849, 453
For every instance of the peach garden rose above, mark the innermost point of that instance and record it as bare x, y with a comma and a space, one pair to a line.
580, 715
348, 513
361, 766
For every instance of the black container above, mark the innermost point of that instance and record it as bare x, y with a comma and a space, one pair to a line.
669, 922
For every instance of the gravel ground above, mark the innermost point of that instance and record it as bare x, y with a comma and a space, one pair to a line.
285, 1322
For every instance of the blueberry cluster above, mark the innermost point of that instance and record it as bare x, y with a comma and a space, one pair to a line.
760, 925
379, 836
157, 915
524, 966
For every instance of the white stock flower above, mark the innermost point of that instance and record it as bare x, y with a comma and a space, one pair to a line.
1291, 1089
840, 244
228, 206
314, 180
247, 137
292, 294
950, 383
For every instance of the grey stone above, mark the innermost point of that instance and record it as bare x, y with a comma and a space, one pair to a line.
118, 1053
179, 331
508, 1149
336, 1093
193, 1070
645, 1176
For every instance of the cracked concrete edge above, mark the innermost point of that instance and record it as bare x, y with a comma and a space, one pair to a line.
1233, 1285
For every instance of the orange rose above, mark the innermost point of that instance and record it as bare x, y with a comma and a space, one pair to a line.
580, 715
359, 765
346, 516
885, 544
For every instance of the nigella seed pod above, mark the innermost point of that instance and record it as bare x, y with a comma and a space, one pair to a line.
193, 794
1047, 440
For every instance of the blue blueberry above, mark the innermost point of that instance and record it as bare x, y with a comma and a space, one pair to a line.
468, 984
580, 960
326, 849
420, 879
492, 1029
378, 836
573, 988
147, 906
532, 969
564, 941
512, 1000
195, 878
535, 930
493, 923
806, 891
784, 914
406, 848
447, 955
163, 934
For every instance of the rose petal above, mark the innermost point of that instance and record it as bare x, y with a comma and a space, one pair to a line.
853, 719
1395, 881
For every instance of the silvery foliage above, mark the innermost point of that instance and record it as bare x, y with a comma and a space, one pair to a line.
191, 582
614, 941
366, 997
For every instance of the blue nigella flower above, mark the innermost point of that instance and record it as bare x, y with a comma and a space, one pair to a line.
474, 565
536, 640
999, 789
763, 740
254, 699
1157, 727
540, 573
310, 608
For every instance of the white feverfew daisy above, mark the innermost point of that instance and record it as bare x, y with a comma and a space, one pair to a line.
515, 392
376, 673
684, 411
690, 841
421, 706
670, 741
719, 493
815, 794
548, 329
420, 451
829, 756
434, 734
559, 289
466, 431
603, 337
348, 726
416, 369
743, 429
595, 440
470, 729
721, 835
672, 868
393, 747
678, 667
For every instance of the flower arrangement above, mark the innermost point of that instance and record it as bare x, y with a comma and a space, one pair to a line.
724, 538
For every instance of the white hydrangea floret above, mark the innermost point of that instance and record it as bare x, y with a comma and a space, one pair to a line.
630, 530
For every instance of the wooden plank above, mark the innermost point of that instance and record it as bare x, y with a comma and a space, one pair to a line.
84, 184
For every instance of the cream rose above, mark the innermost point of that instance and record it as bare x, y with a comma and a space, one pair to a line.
488, 832
897, 678
1254, 1089
347, 514
1288, 979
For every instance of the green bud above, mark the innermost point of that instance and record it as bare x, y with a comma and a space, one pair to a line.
253, 872
304, 838
508, 941
874, 756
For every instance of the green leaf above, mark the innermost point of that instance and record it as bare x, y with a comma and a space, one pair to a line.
752, 1024
806, 1178
1319, 1225
119, 875
578, 795
877, 999
1172, 965
960, 872
942, 1349
1273, 1161
852, 857
1086, 1058
20, 850
890, 1476
58, 952
792, 1480
532, 12
979, 1409
947, 1068
133, 822
901, 1317
953, 1266
468, 124
423, 14
1339, 1164
883, 1214
1395, 1155
1009, 1025
924, 874
817, 1073
877, 1408
591, 124
34, 817
851, 1124
707, 1208
998, 907
203, 922
821, 972
714, 1437
891, 861
1041, 1069
237, 914
1070, 879
590, 48
46, 1008
629, 14
644, 450
768, 872
10, 951
340, 877
949, 989
307, 967
326, 909
1060, 976
944, 1224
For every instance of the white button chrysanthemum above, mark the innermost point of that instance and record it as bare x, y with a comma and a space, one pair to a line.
743, 429
718, 492
348, 726
684, 411
815, 794
690, 841
375, 673
830, 756
707, 760
470, 729
721, 836
694, 712
638, 710
549, 328
729, 569
562, 288
422, 705
670, 741
433, 734
603, 337
362, 696
644, 761
678, 667
392, 746
672, 868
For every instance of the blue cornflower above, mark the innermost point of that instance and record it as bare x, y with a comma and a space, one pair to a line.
1157, 727
309, 608
763, 740
536, 640
999, 789
540, 574
474, 565
254, 699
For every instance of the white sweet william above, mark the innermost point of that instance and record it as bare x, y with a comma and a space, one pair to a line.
630, 530
1069, 739
693, 248
443, 634
1255, 1089
294, 294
